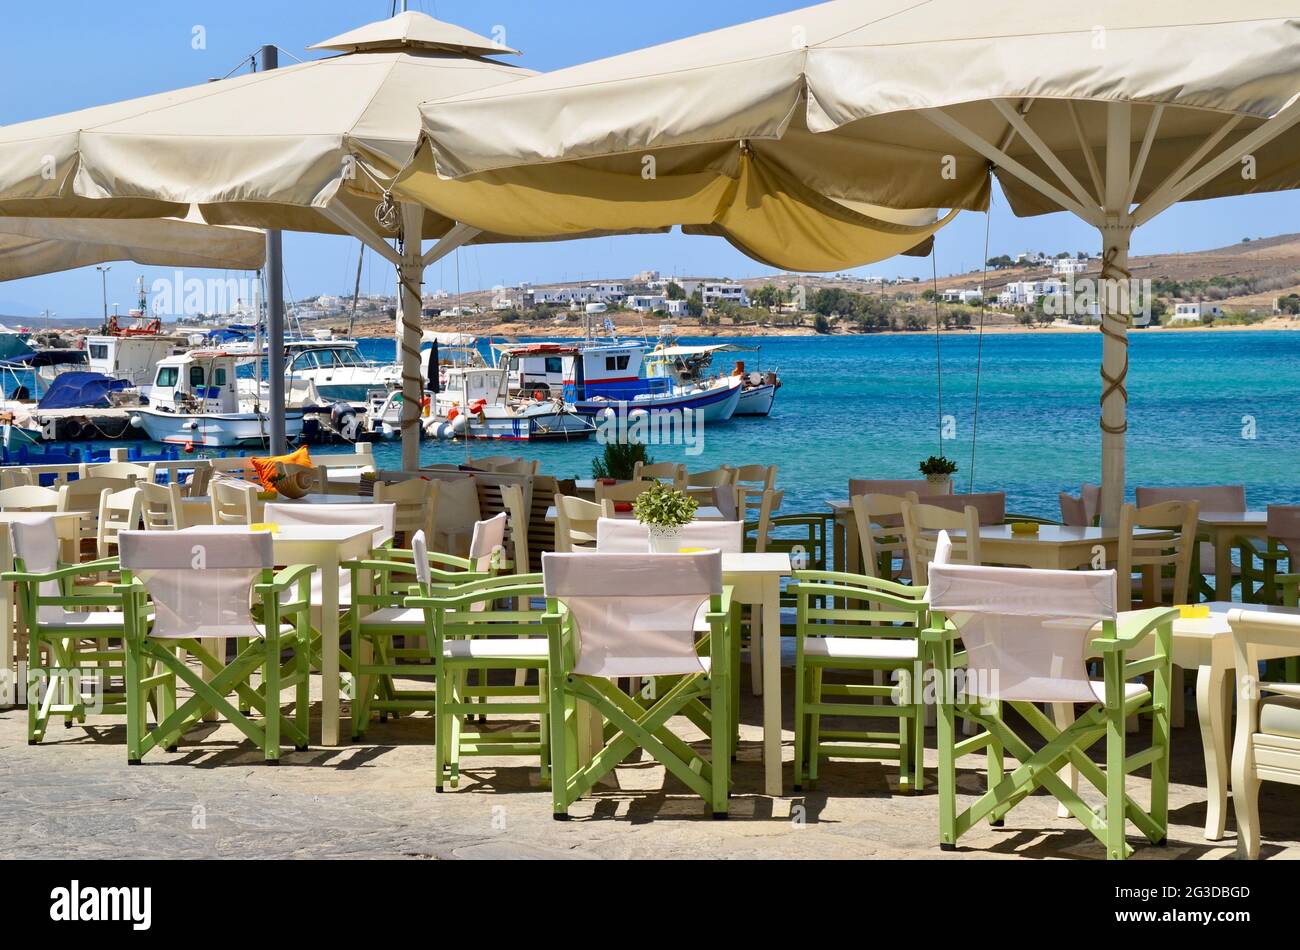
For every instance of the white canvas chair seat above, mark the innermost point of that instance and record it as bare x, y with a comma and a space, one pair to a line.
634, 613
862, 648
90, 622
489, 537
36, 543
384, 515
623, 536
200, 584
498, 648
1026, 632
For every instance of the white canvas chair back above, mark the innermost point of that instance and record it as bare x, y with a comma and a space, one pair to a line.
1284, 528
625, 536
991, 507
420, 549
1172, 548
233, 502
1209, 497
672, 472
373, 513
575, 521
1074, 511
160, 506
118, 511
1026, 633
634, 614
918, 523
29, 498
898, 486
36, 544
1091, 495
727, 499
200, 583
489, 538
879, 520
415, 504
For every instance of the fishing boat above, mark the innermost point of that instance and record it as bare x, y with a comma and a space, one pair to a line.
13, 342
337, 370
477, 402
598, 377
689, 366
194, 400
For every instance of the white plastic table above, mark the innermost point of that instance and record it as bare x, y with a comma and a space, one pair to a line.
326, 547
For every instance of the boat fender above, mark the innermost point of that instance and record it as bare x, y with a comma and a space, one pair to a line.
460, 424
607, 415
188, 448
72, 429
539, 396
345, 420
190, 426
136, 421
756, 379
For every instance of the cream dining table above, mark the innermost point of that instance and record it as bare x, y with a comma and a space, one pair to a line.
702, 513
326, 547
1223, 527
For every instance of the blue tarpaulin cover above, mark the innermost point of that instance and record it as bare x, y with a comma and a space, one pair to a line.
80, 390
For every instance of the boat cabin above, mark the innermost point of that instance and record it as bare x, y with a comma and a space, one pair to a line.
195, 382
132, 358
610, 370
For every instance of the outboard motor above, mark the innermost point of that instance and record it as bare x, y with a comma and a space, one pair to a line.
345, 420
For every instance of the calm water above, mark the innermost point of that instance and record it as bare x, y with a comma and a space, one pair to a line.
867, 407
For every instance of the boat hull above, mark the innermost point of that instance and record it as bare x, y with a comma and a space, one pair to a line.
214, 430
716, 404
533, 427
757, 401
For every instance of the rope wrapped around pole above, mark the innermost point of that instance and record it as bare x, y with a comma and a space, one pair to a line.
1111, 276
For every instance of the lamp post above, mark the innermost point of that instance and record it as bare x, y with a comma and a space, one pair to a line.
103, 276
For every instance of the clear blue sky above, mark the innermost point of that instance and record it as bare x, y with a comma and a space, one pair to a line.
110, 51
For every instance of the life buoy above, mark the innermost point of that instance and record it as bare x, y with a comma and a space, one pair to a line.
539, 396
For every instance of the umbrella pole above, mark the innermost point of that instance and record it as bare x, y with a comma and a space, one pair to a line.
1113, 296
279, 443
410, 273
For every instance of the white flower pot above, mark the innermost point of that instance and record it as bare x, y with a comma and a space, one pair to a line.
665, 540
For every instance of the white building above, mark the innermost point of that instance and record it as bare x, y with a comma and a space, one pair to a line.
1068, 266
1194, 312
675, 308
712, 294
646, 277
608, 293
564, 296
646, 303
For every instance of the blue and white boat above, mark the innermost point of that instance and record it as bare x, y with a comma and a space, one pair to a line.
602, 376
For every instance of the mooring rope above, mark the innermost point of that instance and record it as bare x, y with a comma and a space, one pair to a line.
1112, 272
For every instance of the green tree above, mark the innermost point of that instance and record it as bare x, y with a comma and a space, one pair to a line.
695, 305
675, 291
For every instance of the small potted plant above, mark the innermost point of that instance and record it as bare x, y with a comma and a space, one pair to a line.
665, 511
938, 470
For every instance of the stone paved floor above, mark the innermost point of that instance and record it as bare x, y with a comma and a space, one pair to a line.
74, 796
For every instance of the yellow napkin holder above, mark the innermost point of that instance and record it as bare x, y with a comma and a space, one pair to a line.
265, 526
1025, 527
691, 550
1194, 611
268, 496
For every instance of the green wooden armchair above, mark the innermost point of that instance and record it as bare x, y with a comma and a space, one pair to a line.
484, 625
595, 607
873, 629
1023, 637
179, 589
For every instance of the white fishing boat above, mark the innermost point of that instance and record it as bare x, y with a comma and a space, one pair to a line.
689, 366
194, 400
336, 370
475, 403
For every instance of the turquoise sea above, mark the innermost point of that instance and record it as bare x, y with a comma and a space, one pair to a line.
1206, 407
867, 407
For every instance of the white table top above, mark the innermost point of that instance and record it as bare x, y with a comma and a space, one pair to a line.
1216, 625
1228, 519
329, 533
702, 513
752, 563
1052, 534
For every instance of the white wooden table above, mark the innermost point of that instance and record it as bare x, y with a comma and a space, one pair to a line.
702, 513
1206, 646
1223, 527
1053, 547
326, 547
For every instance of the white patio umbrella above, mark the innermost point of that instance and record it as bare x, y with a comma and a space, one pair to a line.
1112, 110
303, 148
33, 246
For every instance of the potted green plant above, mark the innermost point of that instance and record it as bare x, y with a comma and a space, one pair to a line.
665, 511
938, 470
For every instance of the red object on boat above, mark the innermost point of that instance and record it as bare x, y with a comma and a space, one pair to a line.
609, 481
623, 506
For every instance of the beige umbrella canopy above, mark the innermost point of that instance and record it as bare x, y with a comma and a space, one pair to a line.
33, 246
305, 148
1112, 110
